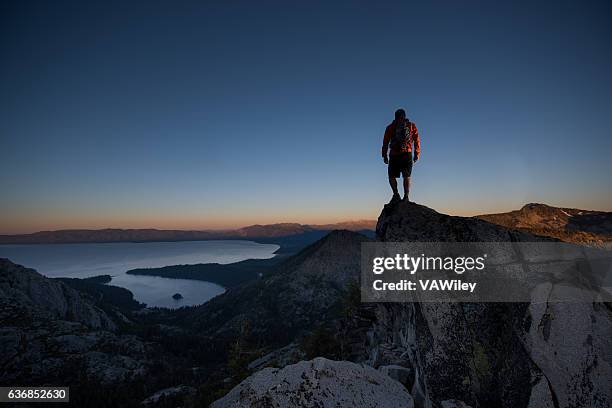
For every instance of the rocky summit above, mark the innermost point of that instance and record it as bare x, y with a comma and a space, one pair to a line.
411, 222
456, 354
491, 354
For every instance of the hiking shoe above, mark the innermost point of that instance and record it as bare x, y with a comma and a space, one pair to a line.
406, 199
395, 198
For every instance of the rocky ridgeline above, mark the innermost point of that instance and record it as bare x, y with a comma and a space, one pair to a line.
48, 330
567, 224
493, 354
444, 354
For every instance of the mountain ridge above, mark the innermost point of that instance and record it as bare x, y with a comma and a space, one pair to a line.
567, 224
276, 230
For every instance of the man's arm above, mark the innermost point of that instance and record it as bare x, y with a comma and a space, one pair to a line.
385, 146
417, 142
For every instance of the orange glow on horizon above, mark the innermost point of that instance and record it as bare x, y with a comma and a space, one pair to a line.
25, 222
26, 225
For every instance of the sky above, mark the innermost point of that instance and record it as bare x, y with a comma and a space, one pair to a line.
197, 115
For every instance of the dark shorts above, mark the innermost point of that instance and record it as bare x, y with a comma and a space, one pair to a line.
400, 164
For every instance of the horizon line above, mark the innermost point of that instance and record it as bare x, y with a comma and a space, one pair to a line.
315, 224
225, 229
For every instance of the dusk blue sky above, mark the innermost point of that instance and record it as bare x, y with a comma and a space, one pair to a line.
195, 115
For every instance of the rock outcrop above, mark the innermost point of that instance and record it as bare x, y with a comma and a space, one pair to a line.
407, 221
169, 395
318, 383
492, 354
25, 288
50, 331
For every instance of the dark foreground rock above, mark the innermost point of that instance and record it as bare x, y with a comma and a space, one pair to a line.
53, 334
169, 396
25, 289
318, 383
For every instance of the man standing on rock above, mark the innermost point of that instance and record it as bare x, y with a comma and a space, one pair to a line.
401, 135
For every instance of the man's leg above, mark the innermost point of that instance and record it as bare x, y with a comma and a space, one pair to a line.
406, 187
393, 183
406, 172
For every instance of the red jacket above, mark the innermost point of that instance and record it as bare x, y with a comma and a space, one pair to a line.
407, 145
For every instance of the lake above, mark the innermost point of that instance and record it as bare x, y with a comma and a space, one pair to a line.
86, 260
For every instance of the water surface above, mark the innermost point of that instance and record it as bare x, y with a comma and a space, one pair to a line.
85, 260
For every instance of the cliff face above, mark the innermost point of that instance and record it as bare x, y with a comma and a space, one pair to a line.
491, 354
46, 298
50, 333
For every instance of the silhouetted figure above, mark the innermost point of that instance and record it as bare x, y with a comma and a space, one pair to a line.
401, 136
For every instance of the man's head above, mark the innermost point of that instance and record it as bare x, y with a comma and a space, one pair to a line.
400, 114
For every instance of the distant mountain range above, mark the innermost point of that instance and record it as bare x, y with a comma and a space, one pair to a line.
566, 224
145, 235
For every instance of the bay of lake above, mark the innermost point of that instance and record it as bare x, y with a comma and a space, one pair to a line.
86, 260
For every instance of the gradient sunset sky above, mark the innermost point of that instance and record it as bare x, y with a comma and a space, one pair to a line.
198, 115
